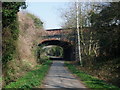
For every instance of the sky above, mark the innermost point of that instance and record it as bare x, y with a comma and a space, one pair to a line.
48, 12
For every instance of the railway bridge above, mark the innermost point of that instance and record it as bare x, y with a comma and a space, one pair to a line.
65, 38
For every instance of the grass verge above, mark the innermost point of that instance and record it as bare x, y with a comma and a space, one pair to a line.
88, 80
33, 78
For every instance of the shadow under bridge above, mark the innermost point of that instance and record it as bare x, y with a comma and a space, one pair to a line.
68, 48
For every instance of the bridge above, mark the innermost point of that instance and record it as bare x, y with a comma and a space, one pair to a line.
65, 38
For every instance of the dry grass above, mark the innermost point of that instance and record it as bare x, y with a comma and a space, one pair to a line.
107, 71
29, 37
25, 60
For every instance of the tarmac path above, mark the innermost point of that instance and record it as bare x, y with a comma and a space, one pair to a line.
59, 77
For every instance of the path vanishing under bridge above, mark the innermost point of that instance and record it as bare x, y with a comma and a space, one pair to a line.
59, 77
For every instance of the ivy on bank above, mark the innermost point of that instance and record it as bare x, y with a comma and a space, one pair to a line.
10, 31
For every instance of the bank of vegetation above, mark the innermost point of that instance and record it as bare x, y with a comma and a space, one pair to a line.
88, 80
99, 38
20, 36
32, 79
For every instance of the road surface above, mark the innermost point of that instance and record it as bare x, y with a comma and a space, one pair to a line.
59, 77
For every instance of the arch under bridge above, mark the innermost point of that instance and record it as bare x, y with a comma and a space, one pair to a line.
65, 38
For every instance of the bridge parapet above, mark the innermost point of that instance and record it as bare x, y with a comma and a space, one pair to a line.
65, 38
60, 34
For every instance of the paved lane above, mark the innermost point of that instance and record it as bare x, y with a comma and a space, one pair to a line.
59, 77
